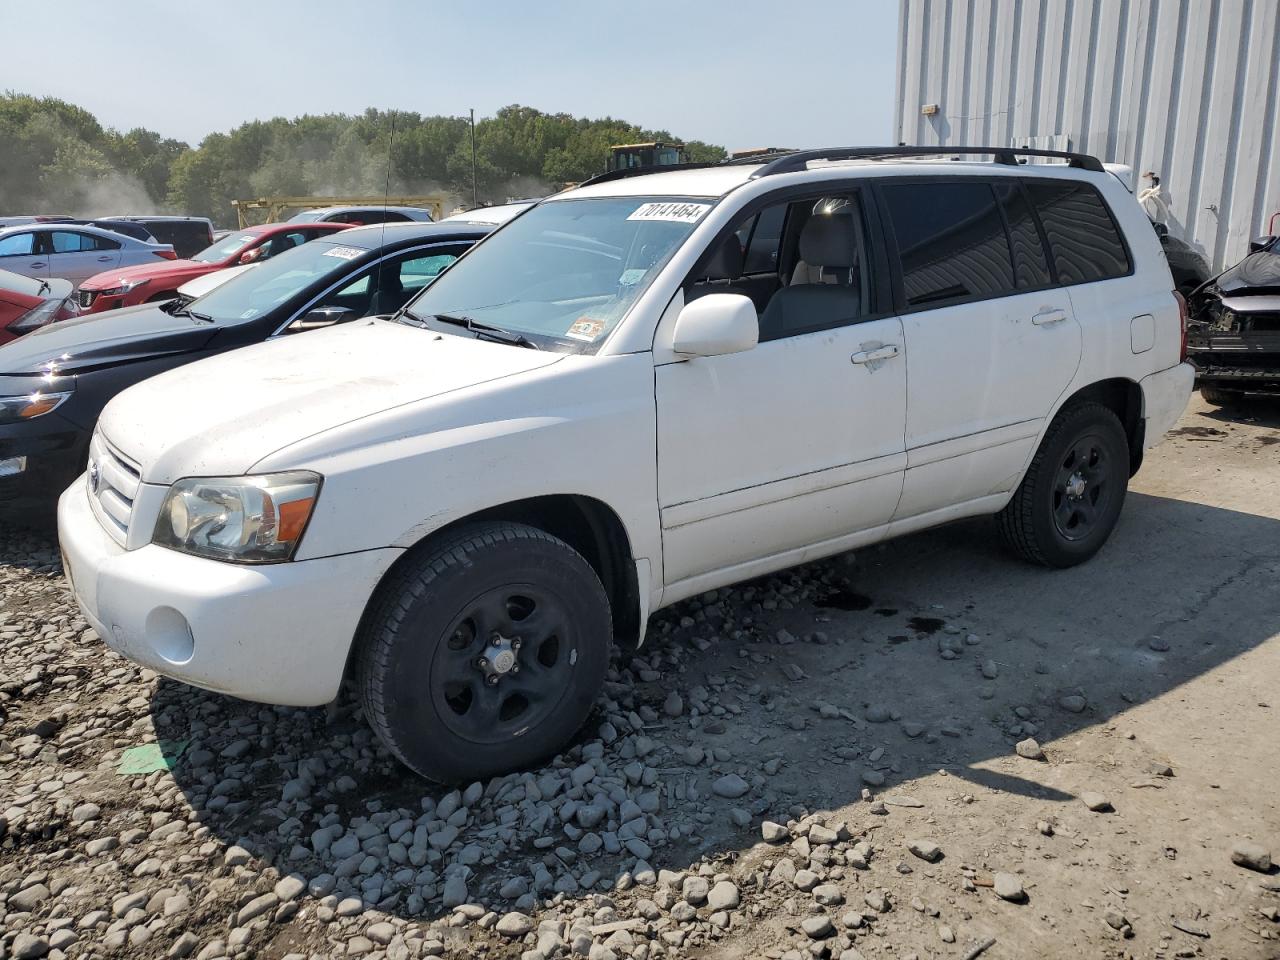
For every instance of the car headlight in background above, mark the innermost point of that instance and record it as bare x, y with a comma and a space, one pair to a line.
17, 409
124, 287
240, 519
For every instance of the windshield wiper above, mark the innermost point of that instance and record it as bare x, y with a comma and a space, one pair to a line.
410, 318
484, 330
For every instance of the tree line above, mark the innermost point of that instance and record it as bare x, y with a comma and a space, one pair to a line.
60, 159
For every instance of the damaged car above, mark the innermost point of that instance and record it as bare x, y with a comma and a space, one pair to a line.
1233, 336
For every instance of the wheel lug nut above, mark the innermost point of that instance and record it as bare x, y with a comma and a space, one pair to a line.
482, 663
515, 668
493, 680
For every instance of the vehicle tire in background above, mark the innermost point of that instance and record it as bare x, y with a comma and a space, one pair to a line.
485, 653
1220, 398
1070, 498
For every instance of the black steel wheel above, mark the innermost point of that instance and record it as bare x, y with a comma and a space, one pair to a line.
484, 653
1070, 497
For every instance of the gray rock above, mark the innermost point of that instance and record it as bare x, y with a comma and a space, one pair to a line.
990, 669
28, 947
724, 896
1009, 887
805, 880
828, 894
1073, 704
236, 857
455, 891
256, 908
673, 706
925, 849
878, 713
382, 933
1252, 856
731, 787
86, 812
1095, 801
25, 901
773, 832
290, 887
1030, 749
878, 900
695, 890
818, 927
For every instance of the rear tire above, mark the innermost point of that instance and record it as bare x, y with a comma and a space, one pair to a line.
1219, 397
486, 653
1070, 498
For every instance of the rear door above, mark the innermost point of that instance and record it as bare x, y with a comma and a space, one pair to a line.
24, 253
991, 339
77, 256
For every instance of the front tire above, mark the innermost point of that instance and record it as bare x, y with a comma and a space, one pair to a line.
1219, 397
486, 653
1070, 499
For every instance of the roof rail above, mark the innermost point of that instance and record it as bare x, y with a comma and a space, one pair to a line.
641, 171
800, 159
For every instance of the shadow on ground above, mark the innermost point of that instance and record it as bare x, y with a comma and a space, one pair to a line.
1180, 589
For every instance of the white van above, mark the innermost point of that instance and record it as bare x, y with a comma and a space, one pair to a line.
635, 391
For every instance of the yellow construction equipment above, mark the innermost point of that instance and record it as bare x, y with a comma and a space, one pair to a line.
278, 208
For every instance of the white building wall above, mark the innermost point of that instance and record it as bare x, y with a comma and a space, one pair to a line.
1184, 88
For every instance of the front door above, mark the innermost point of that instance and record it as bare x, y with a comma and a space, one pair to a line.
21, 253
779, 453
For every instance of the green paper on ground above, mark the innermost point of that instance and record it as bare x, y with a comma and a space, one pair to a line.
150, 757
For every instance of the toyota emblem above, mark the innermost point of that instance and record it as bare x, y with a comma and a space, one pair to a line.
94, 476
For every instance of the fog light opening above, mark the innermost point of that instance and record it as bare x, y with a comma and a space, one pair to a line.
12, 466
169, 634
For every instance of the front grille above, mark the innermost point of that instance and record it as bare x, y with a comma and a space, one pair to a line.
113, 484
86, 298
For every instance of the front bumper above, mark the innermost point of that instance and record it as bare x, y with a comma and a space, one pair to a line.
1164, 398
277, 633
50, 452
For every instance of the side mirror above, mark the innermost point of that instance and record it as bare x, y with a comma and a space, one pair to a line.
323, 317
251, 256
1261, 244
1161, 228
715, 325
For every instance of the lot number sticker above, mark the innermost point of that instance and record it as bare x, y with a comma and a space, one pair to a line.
671, 212
344, 253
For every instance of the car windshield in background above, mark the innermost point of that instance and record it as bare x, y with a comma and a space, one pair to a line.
565, 273
224, 248
269, 284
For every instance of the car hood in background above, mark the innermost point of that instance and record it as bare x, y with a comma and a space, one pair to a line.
147, 271
1258, 273
104, 339
223, 414
202, 284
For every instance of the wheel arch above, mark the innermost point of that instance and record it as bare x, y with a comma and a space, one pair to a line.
588, 525
1124, 398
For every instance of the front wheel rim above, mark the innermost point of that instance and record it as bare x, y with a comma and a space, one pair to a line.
1082, 489
504, 664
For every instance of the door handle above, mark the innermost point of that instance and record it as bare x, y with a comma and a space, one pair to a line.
36, 266
887, 352
1046, 318
104, 259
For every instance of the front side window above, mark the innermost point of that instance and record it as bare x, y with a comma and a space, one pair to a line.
18, 245
1083, 238
951, 242
565, 273
224, 248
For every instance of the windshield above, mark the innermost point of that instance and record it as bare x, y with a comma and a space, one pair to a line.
565, 273
224, 248
307, 216
262, 289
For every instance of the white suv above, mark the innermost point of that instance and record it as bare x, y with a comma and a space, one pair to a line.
635, 391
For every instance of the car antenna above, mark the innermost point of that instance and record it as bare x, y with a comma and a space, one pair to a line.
386, 198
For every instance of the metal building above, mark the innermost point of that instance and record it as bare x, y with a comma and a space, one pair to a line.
1186, 89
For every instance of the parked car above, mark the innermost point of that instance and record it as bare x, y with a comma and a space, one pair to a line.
202, 284
360, 216
1234, 335
26, 303
157, 282
496, 215
54, 382
617, 401
127, 227
73, 252
188, 235
23, 219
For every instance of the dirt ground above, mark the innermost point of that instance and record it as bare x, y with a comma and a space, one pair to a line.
759, 769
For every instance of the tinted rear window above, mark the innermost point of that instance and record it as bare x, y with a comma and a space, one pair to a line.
1082, 235
951, 241
1030, 266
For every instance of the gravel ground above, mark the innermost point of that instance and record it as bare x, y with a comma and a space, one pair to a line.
924, 750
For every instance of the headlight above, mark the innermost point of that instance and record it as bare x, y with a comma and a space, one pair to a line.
124, 287
240, 519
17, 409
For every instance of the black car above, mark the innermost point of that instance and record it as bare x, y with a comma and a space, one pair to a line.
1233, 336
55, 381
187, 235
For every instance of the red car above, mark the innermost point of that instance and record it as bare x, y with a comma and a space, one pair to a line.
160, 281
30, 302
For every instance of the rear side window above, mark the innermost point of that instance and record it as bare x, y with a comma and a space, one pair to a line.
1083, 238
1030, 266
68, 242
951, 242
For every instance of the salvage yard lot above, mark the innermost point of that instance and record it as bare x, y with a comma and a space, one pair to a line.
871, 702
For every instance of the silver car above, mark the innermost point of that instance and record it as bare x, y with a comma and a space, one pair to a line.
73, 252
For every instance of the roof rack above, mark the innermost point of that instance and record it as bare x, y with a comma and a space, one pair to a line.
800, 159
641, 171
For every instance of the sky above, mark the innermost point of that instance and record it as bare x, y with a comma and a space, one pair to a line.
741, 73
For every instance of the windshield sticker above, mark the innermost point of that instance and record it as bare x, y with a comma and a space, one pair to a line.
249, 314
671, 212
586, 329
344, 253
633, 276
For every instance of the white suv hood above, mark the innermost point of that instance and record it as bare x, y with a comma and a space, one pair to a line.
220, 416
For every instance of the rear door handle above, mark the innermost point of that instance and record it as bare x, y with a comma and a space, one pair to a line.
1048, 317
36, 266
887, 352
104, 259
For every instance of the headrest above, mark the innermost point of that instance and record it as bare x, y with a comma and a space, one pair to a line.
725, 262
827, 240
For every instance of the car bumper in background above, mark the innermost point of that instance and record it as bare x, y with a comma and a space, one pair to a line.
1164, 397
275, 633
36, 467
